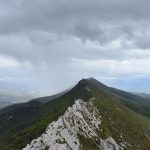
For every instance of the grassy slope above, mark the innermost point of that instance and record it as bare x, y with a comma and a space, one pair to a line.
137, 103
31, 119
119, 119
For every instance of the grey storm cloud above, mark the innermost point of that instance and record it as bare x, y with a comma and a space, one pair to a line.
62, 38
97, 20
34, 26
64, 15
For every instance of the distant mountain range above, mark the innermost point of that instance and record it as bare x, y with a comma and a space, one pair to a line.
90, 116
11, 97
11, 93
145, 95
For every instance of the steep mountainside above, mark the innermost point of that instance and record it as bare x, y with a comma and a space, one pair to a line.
137, 103
80, 120
112, 121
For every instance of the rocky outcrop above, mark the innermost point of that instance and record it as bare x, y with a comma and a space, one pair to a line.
82, 118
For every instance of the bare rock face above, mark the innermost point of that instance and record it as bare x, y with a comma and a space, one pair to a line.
82, 118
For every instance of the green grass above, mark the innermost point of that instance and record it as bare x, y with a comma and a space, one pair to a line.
14, 138
46, 148
118, 120
87, 143
30, 119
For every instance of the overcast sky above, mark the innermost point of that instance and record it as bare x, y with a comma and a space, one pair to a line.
49, 45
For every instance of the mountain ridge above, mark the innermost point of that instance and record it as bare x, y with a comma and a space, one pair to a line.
32, 118
77, 120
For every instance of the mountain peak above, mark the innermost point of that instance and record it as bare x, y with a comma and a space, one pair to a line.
86, 87
82, 90
90, 78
